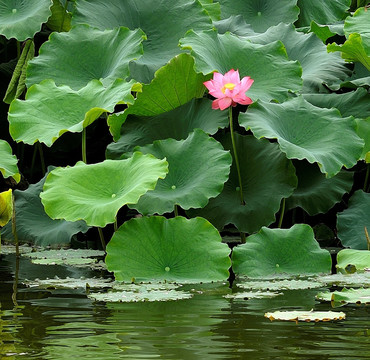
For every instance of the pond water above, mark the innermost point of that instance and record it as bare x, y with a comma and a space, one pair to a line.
65, 324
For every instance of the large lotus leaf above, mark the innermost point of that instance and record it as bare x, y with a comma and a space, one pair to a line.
8, 162
267, 177
164, 24
360, 259
173, 85
359, 78
6, 206
34, 226
49, 111
198, 168
274, 75
304, 131
358, 23
84, 53
175, 124
22, 19
261, 14
351, 222
235, 24
96, 192
355, 103
318, 67
213, 9
177, 249
324, 32
363, 131
276, 251
316, 193
322, 12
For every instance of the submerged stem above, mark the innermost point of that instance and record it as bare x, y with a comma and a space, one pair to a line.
236, 155
14, 229
84, 157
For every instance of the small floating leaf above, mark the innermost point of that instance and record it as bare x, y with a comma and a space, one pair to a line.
305, 315
280, 284
69, 283
346, 296
360, 259
252, 295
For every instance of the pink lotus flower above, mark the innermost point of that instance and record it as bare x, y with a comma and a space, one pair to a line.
228, 89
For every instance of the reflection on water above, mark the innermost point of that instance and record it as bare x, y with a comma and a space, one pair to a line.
65, 324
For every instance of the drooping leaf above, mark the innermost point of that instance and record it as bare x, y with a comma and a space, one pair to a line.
305, 315
96, 192
6, 207
60, 19
22, 19
322, 12
351, 222
173, 85
8, 162
304, 131
360, 259
39, 116
18, 81
88, 52
261, 14
198, 169
315, 193
175, 124
346, 296
177, 249
323, 32
274, 251
250, 59
318, 67
267, 177
34, 226
164, 24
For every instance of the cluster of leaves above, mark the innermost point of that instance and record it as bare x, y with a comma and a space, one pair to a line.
119, 72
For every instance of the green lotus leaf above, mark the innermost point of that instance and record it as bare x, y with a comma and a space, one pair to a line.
267, 177
164, 24
359, 78
250, 59
363, 131
346, 296
198, 169
279, 284
22, 19
96, 192
358, 23
275, 251
60, 19
6, 207
353, 50
304, 131
305, 315
34, 226
49, 111
8, 162
235, 24
173, 85
353, 280
323, 12
318, 67
351, 222
355, 103
316, 193
88, 52
177, 249
17, 83
213, 9
261, 14
360, 259
323, 32
176, 124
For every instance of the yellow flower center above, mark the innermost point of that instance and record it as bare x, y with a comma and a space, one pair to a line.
229, 86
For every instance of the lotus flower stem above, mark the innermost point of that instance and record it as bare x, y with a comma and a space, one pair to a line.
43, 167
102, 240
236, 155
84, 158
282, 211
176, 210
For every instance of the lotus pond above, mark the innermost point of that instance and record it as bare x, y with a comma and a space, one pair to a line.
196, 176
